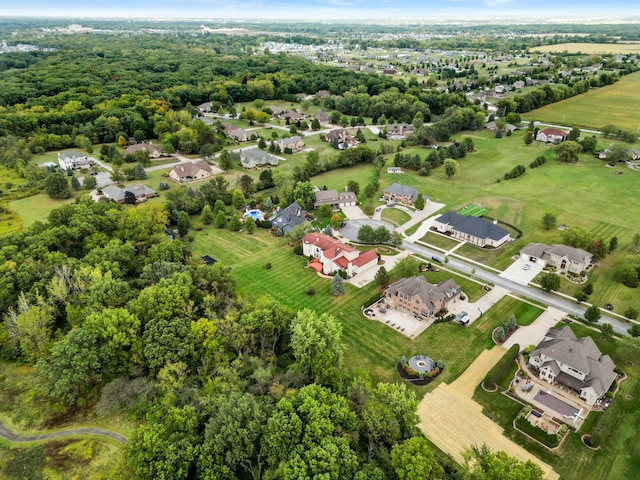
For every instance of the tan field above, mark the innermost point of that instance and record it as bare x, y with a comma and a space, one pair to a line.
454, 422
589, 48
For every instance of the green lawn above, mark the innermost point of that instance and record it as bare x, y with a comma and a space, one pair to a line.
616, 104
370, 345
395, 216
37, 207
618, 455
441, 241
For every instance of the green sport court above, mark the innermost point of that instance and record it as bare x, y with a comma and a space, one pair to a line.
474, 210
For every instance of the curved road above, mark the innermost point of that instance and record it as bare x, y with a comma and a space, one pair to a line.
529, 292
14, 437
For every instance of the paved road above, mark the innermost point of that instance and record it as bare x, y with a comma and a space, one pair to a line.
13, 437
529, 292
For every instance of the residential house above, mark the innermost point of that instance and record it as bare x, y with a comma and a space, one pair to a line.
153, 151
423, 300
335, 255
419, 71
292, 116
322, 117
205, 107
471, 229
389, 71
398, 193
341, 139
335, 199
295, 144
564, 258
577, 363
186, 172
394, 169
239, 135
551, 135
492, 126
72, 159
141, 193
323, 93
257, 158
398, 131
277, 111
289, 217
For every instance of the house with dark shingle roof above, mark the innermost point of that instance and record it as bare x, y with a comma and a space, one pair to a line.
289, 217
295, 143
140, 191
577, 363
399, 193
420, 298
471, 229
335, 255
562, 257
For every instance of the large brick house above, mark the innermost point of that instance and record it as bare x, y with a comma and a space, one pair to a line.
471, 229
564, 258
577, 363
420, 298
335, 255
295, 144
399, 193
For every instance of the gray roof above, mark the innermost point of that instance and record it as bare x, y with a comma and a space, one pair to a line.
428, 293
289, 217
141, 146
476, 227
399, 189
190, 169
332, 196
257, 158
289, 141
581, 354
573, 254
535, 249
118, 194
70, 154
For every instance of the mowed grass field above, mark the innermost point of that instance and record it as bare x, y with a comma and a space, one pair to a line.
370, 345
36, 208
589, 48
616, 104
618, 455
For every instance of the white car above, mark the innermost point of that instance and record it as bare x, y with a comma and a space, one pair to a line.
526, 266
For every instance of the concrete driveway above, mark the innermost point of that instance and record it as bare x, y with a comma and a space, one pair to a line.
517, 273
534, 333
354, 213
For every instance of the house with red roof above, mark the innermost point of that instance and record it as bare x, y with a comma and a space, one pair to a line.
335, 255
551, 135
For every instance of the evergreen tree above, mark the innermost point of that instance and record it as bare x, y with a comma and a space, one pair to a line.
235, 224
221, 220
184, 223
249, 225
75, 183
207, 216
337, 285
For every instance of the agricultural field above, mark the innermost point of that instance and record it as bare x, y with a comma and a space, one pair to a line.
589, 48
615, 104
617, 456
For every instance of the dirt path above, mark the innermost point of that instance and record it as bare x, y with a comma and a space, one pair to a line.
14, 437
452, 420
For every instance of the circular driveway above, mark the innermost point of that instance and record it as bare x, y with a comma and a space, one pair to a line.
350, 230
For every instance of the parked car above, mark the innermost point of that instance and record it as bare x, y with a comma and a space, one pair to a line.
526, 266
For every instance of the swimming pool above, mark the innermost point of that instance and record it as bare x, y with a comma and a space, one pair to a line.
255, 214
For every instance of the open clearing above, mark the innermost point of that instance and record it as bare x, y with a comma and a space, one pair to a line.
616, 104
589, 48
454, 422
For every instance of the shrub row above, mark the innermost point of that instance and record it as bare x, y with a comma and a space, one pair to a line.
541, 160
500, 368
548, 439
515, 172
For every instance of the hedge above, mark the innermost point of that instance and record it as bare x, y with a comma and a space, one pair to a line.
548, 439
500, 368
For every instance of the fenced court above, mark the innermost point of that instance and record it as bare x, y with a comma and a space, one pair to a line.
473, 210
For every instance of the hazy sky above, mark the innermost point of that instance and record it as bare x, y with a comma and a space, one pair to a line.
564, 10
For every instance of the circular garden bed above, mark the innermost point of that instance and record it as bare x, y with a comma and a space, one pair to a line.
419, 369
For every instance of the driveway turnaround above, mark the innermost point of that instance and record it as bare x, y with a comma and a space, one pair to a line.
101, 432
